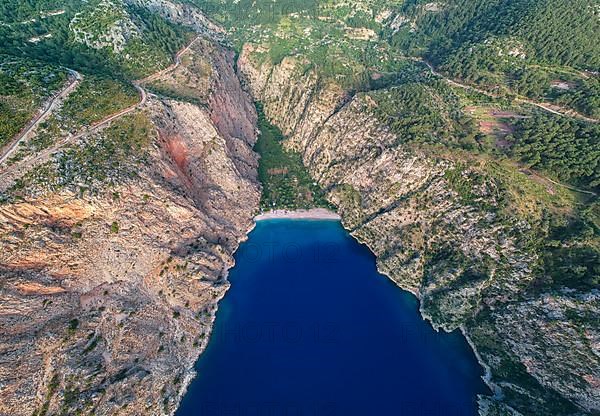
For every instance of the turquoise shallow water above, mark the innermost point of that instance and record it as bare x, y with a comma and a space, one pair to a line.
309, 327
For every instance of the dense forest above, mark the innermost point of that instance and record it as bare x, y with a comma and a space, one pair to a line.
567, 148
537, 48
45, 30
425, 113
555, 32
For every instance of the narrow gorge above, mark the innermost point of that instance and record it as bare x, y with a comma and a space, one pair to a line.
457, 140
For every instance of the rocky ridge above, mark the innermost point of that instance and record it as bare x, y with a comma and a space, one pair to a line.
108, 298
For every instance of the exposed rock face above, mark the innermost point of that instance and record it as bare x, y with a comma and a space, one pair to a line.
468, 267
106, 301
117, 31
184, 14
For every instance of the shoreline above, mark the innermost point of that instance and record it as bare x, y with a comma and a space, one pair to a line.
322, 214
487, 372
300, 214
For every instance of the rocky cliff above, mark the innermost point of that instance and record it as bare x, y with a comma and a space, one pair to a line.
438, 224
112, 265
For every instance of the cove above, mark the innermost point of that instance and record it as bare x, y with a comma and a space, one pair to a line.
309, 327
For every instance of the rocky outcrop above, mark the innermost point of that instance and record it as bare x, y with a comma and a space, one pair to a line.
181, 13
114, 34
107, 300
464, 258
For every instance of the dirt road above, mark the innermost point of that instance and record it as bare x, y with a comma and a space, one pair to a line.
172, 67
11, 173
74, 80
554, 109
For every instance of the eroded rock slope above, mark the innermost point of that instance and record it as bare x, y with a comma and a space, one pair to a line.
111, 271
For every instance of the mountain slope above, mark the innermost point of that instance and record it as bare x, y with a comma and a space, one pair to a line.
436, 179
537, 48
116, 240
117, 236
461, 233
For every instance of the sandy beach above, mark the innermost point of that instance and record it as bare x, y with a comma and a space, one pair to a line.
301, 214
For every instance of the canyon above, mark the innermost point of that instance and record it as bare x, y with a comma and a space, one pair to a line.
116, 253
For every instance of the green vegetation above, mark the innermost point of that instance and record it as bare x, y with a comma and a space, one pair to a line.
108, 41
339, 41
74, 33
569, 247
507, 47
566, 148
425, 112
52, 388
535, 48
24, 85
96, 98
557, 32
105, 159
431, 112
73, 325
286, 183
530, 47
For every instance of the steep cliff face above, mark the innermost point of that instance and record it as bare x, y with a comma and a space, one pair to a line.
434, 220
107, 297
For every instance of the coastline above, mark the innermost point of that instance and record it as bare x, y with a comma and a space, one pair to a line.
191, 373
300, 214
487, 376
318, 214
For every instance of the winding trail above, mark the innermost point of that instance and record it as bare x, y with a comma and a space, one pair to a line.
530, 172
170, 68
107, 120
51, 105
47, 109
9, 174
551, 108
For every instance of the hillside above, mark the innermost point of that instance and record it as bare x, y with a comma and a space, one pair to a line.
100, 36
476, 200
120, 212
456, 139
539, 48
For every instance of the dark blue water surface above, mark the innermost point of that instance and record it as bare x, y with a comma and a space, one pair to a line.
309, 327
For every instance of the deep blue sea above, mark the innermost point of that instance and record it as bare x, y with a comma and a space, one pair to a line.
309, 327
